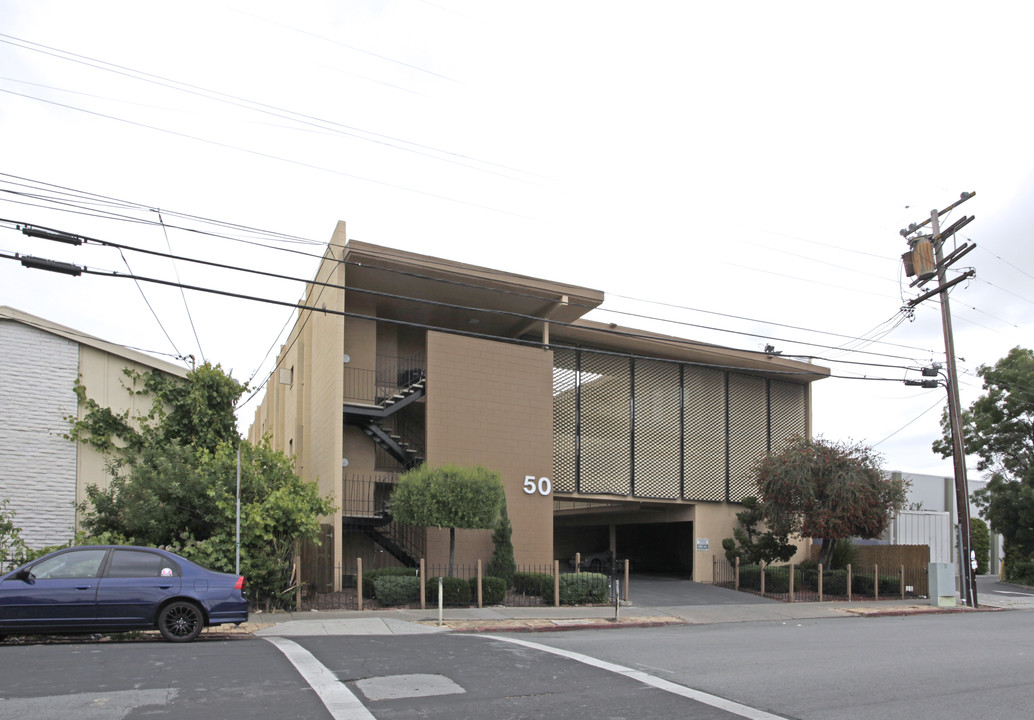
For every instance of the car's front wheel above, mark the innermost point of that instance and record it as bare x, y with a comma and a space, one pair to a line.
180, 621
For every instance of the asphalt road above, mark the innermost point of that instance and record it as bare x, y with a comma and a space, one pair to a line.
962, 665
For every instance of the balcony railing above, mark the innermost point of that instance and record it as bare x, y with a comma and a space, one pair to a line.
373, 387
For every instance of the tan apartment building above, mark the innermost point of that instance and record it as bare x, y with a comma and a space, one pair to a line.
607, 438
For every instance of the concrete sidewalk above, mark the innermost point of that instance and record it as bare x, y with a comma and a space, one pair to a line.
506, 619
661, 601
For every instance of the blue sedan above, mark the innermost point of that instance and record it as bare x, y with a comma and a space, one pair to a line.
112, 588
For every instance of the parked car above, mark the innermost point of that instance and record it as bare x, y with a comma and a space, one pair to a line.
595, 562
112, 588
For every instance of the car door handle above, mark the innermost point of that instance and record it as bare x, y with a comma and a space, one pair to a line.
83, 587
164, 587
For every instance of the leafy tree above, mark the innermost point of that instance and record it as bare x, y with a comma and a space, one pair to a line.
999, 428
449, 496
174, 481
980, 544
823, 489
12, 547
502, 565
750, 544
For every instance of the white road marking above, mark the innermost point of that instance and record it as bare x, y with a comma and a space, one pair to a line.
338, 699
647, 679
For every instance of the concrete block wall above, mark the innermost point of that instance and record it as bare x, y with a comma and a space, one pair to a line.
38, 468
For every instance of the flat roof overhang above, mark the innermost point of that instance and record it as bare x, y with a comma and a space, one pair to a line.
624, 340
432, 292
460, 297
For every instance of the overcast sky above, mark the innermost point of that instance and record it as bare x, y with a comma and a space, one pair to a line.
739, 171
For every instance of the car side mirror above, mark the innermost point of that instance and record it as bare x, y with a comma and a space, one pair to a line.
25, 575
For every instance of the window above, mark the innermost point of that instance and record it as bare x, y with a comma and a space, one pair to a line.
72, 564
140, 564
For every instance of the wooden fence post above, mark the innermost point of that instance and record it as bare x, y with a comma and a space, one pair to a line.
820, 582
298, 574
556, 583
737, 582
480, 594
901, 581
791, 581
876, 582
849, 582
423, 585
762, 578
359, 581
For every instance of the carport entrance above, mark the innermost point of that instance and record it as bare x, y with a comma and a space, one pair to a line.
665, 548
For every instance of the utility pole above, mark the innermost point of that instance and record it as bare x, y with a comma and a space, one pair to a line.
917, 262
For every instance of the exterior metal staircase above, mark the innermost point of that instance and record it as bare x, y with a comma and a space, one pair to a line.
370, 418
366, 503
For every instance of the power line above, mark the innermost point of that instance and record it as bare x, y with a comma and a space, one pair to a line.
269, 156
862, 339
428, 302
466, 333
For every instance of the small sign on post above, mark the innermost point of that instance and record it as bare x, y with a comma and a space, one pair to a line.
703, 544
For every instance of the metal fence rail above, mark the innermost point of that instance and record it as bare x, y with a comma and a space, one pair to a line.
362, 587
812, 583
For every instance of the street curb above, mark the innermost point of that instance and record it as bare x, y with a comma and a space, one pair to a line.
564, 627
918, 611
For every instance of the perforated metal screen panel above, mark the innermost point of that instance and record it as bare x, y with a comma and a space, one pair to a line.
789, 413
699, 440
748, 432
704, 392
606, 424
565, 420
657, 430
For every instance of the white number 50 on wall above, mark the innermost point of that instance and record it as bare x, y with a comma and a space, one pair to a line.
542, 487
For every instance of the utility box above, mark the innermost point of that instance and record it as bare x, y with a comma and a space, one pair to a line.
942, 584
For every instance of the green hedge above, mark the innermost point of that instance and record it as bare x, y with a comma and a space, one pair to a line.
370, 577
455, 591
533, 583
493, 590
392, 590
834, 582
777, 578
580, 589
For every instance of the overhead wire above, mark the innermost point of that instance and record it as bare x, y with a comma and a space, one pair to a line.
862, 339
453, 331
270, 156
183, 293
434, 303
266, 109
845, 347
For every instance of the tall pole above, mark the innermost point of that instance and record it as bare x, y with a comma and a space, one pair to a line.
967, 582
237, 560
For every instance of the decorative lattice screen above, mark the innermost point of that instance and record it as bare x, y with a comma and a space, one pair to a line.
606, 447
748, 432
658, 452
704, 392
789, 413
565, 457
